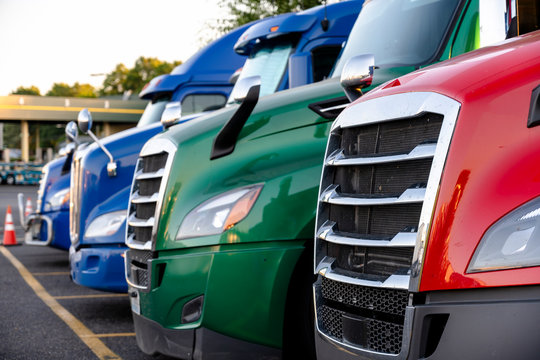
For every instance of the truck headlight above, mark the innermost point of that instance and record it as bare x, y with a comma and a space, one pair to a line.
219, 213
512, 242
106, 224
57, 200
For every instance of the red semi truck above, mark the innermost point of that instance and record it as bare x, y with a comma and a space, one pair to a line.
427, 243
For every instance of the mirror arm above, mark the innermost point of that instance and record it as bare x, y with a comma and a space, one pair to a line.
225, 141
111, 166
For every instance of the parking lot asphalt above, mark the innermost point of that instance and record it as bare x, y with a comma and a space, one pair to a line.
44, 315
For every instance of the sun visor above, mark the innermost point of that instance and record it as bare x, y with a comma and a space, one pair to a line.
163, 83
271, 27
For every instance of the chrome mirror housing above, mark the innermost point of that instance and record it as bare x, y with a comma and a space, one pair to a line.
357, 74
243, 86
85, 121
171, 114
72, 132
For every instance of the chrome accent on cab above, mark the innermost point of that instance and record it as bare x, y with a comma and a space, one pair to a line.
378, 188
75, 194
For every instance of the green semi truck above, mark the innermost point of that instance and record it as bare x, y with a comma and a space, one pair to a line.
224, 264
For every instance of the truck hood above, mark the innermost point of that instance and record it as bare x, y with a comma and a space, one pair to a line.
98, 186
469, 74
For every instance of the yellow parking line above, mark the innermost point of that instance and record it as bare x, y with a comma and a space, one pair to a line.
87, 336
112, 335
89, 296
52, 273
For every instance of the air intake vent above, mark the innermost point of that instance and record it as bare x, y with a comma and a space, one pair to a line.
376, 176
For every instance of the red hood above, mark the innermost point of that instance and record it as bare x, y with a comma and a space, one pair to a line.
470, 74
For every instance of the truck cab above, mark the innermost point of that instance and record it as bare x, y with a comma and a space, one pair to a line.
426, 243
222, 258
96, 257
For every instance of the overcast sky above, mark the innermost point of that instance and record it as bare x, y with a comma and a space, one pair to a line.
47, 41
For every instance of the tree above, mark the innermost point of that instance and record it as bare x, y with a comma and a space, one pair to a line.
21, 90
244, 11
122, 79
76, 90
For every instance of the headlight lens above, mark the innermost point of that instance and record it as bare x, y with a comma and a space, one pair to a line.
512, 242
219, 213
57, 200
106, 225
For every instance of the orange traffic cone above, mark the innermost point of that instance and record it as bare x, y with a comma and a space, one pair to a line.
9, 229
28, 208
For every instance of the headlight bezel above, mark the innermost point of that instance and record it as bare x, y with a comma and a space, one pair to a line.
512, 242
103, 225
219, 213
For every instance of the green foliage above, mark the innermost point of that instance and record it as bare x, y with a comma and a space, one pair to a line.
21, 90
12, 135
244, 11
76, 90
122, 79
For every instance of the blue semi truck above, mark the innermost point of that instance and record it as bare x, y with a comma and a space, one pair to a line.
286, 51
197, 83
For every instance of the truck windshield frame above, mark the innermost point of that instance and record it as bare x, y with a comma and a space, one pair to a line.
269, 60
152, 112
397, 35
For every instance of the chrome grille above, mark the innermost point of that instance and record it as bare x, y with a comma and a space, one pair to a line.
75, 197
377, 174
147, 191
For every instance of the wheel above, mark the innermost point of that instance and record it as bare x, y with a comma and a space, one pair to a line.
10, 180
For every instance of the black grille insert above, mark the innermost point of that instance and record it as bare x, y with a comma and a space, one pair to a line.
154, 162
386, 138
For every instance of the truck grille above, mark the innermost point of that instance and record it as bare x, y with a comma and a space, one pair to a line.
144, 208
75, 197
375, 179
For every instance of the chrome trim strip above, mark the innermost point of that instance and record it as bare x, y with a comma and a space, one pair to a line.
422, 151
138, 199
337, 107
332, 196
402, 239
133, 244
153, 175
392, 282
133, 221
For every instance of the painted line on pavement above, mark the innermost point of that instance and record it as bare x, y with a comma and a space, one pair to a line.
53, 273
90, 296
85, 334
112, 335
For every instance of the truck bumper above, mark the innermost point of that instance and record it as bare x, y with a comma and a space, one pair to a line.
244, 291
100, 268
49, 229
501, 323
198, 343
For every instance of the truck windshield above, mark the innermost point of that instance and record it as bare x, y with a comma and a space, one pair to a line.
152, 112
268, 60
399, 32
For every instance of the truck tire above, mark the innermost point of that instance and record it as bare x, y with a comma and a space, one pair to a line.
299, 319
10, 180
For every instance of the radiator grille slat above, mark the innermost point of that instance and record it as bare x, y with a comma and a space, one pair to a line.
367, 166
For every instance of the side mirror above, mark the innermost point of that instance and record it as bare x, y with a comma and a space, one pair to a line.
85, 121
243, 86
72, 132
172, 112
357, 74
